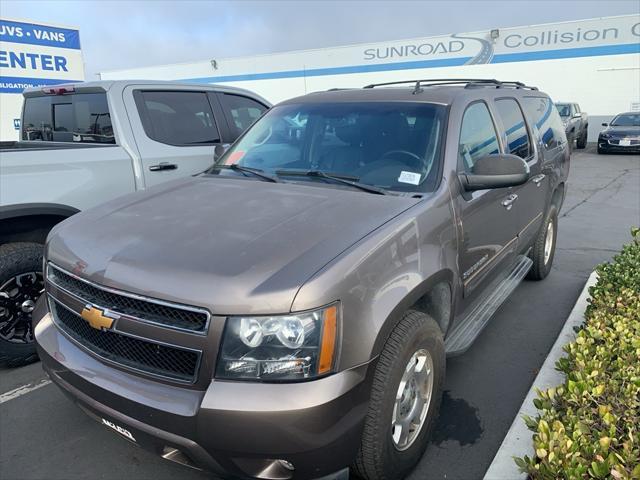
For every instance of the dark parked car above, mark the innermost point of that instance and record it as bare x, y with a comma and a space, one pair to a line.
576, 123
621, 135
288, 313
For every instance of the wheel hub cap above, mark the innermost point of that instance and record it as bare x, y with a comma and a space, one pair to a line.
412, 400
18, 297
28, 306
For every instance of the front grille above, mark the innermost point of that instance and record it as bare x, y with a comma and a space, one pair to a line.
170, 316
616, 141
142, 355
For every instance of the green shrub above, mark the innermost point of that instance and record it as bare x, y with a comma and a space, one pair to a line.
589, 427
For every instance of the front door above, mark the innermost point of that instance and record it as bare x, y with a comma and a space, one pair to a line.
489, 226
175, 131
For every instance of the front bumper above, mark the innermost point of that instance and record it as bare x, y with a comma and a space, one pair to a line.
231, 428
612, 145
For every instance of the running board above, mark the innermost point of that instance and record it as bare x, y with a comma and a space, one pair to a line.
463, 334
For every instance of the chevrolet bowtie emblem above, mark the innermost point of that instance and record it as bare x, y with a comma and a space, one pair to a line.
96, 318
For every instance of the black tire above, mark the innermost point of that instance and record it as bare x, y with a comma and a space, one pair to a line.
378, 458
17, 259
582, 141
601, 151
541, 268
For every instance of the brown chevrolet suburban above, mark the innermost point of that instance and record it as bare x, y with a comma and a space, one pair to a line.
287, 313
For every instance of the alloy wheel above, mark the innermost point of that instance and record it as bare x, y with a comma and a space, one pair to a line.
18, 297
412, 400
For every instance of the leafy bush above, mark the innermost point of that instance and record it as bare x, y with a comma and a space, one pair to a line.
589, 427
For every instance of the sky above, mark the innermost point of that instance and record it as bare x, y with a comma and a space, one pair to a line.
125, 34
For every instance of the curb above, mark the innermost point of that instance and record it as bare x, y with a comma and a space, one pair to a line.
518, 441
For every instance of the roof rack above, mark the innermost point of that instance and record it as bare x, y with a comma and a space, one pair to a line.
468, 82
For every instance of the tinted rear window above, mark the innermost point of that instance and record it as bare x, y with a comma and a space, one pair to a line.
241, 111
82, 117
545, 118
515, 127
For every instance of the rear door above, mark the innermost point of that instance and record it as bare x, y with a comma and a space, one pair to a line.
530, 198
175, 131
488, 227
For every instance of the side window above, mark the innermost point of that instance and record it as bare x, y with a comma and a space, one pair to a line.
477, 135
240, 111
92, 117
518, 142
576, 107
177, 117
546, 120
78, 118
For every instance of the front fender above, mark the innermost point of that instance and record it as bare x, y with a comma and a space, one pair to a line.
383, 275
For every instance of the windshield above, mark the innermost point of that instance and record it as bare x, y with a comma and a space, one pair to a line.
627, 120
564, 109
395, 146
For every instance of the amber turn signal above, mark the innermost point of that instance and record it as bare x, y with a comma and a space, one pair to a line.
328, 344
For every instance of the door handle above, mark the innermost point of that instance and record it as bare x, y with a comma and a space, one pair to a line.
508, 202
163, 166
538, 178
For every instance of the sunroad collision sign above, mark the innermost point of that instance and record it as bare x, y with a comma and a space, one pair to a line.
581, 38
606, 36
33, 55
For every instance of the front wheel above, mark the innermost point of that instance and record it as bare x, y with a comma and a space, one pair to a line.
544, 248
405, 399
21, 284
582, 141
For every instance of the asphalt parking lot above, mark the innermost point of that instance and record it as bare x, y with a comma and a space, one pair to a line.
44, 436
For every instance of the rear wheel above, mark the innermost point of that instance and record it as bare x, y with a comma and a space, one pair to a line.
21, 284
582, 140
405, 399
544, 248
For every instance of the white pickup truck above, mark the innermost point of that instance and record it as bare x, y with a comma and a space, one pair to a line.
83, 144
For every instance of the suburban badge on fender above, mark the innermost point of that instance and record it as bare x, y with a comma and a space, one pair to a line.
96, 318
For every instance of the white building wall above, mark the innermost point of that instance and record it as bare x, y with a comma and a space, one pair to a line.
593, 62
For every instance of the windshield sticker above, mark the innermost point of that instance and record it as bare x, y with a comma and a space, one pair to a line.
234, 157
409, 177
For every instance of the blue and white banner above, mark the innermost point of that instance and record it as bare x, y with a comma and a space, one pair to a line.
33, 34
33, 55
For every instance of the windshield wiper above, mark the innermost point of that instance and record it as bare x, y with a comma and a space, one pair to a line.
254, 171
343, 179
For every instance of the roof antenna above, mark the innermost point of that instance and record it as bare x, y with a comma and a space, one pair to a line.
417, 89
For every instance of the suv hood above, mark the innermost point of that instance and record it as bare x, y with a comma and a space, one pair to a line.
234, 246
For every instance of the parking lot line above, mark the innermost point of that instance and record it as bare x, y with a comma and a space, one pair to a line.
23, 390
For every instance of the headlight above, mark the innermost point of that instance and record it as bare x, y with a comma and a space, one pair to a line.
281, 348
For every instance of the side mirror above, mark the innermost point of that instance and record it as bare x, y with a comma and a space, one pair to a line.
496, 171
219, 150
605, 124
577, 115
